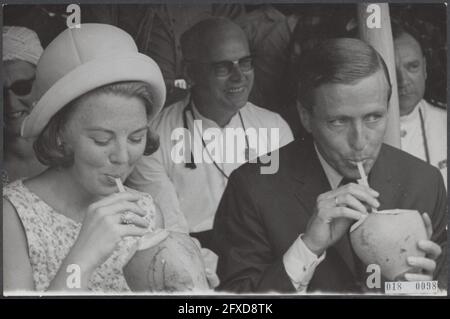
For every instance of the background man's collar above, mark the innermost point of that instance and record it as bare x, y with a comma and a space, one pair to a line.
411, 116
206, 122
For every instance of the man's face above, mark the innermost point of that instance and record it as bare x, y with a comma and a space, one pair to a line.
348, 123
227, 93
411, 72
18, 80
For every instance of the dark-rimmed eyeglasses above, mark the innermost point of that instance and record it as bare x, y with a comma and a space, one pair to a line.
224, 68
20, 88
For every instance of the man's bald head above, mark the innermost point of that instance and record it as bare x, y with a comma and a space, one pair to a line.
411, 67
218, 69
209, 33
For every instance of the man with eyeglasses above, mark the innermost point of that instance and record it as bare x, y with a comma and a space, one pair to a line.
21, 51
219, 71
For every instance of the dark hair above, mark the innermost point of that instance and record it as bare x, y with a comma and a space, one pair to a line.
400, 28
339, 61
48, 148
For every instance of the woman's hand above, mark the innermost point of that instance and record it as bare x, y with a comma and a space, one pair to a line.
173, 265
103, 227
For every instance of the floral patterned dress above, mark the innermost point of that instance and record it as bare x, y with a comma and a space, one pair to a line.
50, 236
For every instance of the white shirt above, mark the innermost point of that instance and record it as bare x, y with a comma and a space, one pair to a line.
412, 137
188, 198
299, 262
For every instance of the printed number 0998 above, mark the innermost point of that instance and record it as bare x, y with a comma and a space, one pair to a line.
426, 285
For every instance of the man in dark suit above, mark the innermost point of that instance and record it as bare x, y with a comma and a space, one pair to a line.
288, 232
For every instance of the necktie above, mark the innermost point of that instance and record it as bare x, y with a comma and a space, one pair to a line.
346, 181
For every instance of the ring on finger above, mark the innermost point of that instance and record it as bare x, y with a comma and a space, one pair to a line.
125, 219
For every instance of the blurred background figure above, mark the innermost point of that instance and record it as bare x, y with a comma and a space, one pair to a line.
423, 125
269, 33
46, 20
157, 29
427, 23
21, 51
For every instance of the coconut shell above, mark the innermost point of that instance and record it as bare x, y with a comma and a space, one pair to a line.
174, 265
387, 238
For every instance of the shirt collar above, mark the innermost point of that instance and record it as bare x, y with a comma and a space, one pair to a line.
411, 117
198, 116
334, 178
206, 122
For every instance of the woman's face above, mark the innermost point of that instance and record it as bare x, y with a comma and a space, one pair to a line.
107, 134
18, 80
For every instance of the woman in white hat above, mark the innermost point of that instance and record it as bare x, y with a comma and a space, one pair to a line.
21, 52
74, 226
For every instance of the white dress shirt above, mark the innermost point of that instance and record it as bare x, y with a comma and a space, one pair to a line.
435, 133
188, 198
300, 262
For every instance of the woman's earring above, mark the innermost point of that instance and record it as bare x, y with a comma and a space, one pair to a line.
59, 143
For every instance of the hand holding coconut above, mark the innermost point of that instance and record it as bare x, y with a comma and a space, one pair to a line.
103, 228
425, 266
169, 262
335, 211
397, 240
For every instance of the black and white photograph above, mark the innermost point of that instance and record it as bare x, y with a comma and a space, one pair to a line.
224, 149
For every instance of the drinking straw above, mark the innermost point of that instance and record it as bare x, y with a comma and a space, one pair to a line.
150, 239
363, 180
119, 185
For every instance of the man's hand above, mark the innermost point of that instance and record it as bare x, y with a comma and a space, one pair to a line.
425, 266
335, 211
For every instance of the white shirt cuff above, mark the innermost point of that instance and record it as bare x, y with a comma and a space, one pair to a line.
300, 264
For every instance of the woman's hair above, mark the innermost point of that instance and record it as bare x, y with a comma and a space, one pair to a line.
52, 152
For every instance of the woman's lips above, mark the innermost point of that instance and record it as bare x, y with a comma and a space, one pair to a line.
111, 178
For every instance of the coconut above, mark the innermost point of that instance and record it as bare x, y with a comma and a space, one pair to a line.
386, 238
174, 265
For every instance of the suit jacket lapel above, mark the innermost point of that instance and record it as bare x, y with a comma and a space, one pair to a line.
309, 178
309, 182
380, 179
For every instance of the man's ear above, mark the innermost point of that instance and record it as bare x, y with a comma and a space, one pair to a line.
305, 116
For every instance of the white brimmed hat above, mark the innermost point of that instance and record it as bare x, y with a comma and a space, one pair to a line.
82, 59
